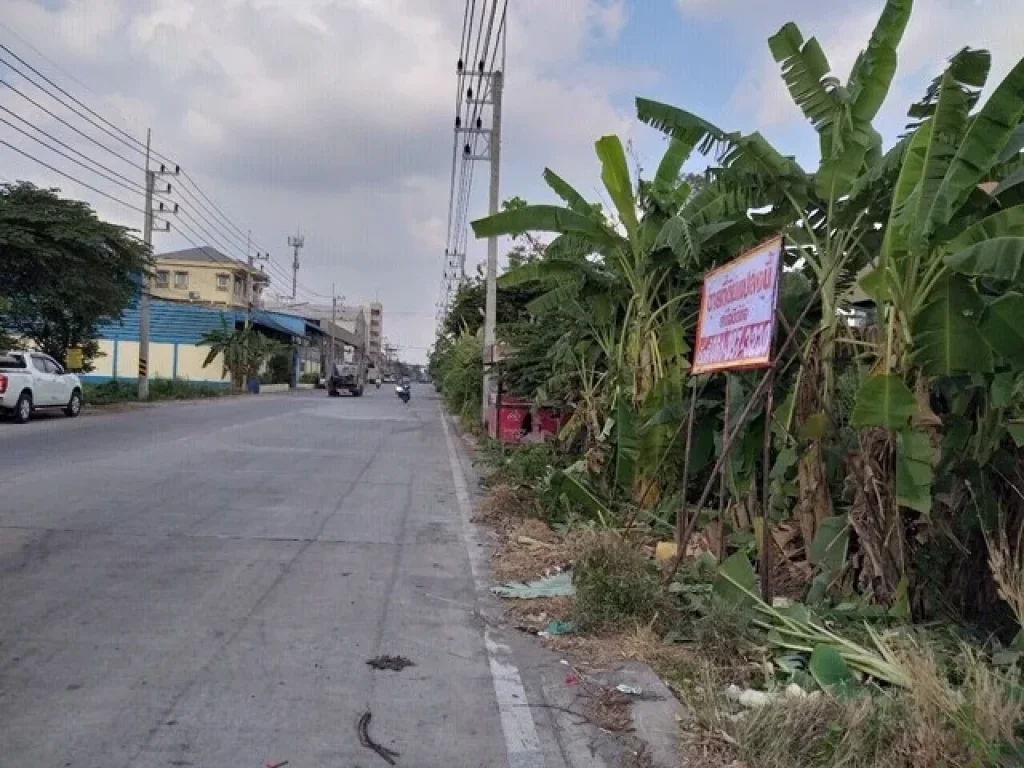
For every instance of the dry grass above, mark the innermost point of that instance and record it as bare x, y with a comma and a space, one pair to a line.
1006, 562
528, 549
937, 723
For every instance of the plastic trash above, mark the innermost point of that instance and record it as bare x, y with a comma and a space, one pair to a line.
562, 628
559, 585
629, 690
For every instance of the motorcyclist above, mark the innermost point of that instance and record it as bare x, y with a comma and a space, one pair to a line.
378, 381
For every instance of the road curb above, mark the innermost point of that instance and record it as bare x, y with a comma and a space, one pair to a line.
656, 714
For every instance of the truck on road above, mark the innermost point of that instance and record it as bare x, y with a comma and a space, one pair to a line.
347, 377
30, 381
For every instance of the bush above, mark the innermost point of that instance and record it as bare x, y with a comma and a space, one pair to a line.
616, 583
311, 377
458, 366
159, 389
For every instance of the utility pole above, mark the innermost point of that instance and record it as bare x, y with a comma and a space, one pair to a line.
334, 319
296, 243
491, 301
147, 238
250, 292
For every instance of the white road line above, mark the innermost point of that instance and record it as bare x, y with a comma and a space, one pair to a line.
522, 744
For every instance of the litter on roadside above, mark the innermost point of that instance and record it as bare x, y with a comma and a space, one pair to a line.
394, 663
562, 628
559, 585
629, 690
363, 729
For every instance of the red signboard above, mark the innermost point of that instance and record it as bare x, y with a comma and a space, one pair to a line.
737, 311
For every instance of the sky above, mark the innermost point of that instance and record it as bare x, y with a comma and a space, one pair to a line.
335, 116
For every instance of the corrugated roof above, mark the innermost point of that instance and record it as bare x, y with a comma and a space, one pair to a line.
174, 322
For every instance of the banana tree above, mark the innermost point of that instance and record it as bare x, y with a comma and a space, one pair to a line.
954, 226
625, 283
825, 213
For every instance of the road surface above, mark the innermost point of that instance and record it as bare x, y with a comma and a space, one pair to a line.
202, 584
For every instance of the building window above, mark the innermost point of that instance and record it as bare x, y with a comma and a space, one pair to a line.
181, 280
223, 281
238, 286
163, 278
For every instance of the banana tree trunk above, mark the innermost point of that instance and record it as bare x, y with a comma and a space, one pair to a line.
815, 499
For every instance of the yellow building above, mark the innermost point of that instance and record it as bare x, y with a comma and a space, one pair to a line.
206, 276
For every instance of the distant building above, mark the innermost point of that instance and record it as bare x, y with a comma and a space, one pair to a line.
206, 276
375, 338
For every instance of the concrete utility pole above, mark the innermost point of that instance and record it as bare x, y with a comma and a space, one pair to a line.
250, 292
296, 243
491, 302
334, 320
147, 238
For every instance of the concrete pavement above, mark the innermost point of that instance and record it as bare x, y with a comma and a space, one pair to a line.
202, 584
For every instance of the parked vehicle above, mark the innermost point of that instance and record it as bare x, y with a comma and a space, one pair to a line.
346, 377
30, 381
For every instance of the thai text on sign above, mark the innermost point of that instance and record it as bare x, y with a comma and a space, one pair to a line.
737, 311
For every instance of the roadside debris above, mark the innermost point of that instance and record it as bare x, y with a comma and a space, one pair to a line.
559, 628
276, 765
629, 690
559, 585
363, 728
394, 663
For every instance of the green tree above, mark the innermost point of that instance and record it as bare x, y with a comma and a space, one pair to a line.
826, 214
243, 351
63, 271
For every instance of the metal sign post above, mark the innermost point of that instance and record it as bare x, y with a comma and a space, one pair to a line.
735, 332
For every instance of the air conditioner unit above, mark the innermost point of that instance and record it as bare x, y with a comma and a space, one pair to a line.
193, 295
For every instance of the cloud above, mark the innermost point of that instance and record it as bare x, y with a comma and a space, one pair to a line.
937, 29
335, 115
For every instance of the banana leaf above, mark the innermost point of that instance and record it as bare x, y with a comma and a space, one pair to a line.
947, 338
564, 190
883, 401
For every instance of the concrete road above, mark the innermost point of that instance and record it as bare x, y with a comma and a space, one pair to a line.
202, 584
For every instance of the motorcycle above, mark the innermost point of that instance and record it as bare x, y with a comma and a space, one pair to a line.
403, 393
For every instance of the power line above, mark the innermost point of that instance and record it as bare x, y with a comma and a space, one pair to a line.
77, 130
131, 186
135, 145
72, 178
217, 219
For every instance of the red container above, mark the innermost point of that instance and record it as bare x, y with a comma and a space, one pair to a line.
512, 419
550, 422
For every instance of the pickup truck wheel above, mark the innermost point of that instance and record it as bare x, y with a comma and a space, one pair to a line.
23, 408
74, 406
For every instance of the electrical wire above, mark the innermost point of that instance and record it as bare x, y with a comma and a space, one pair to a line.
134, 145
131, 186
77, 130
459, 202
209, 212
72, 178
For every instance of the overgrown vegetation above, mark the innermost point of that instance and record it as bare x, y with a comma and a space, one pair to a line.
159, 389
894, 470
616, 584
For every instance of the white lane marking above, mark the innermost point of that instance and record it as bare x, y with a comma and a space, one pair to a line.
522, 744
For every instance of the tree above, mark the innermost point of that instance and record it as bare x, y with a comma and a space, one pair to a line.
243, 350
826, 214
63, 271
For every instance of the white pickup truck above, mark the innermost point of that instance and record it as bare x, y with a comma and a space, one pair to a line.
32, 380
